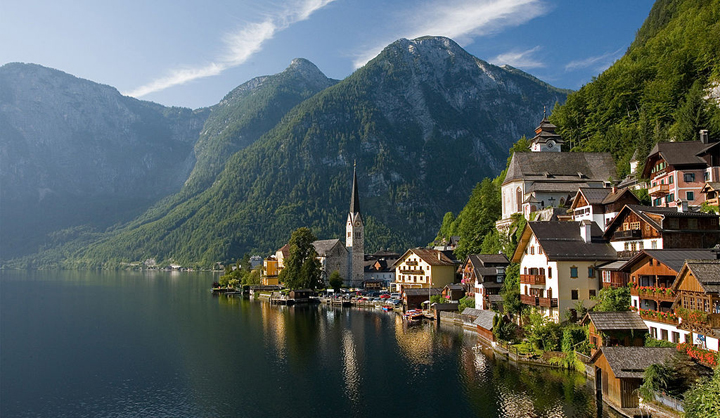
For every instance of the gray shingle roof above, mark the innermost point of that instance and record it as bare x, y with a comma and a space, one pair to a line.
678, 154
631, 362
674, 258
707, 272
610, 321
562, 241
485, 319
486, 259
422, 292
562, 166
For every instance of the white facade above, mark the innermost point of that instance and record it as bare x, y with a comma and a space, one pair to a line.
567, 281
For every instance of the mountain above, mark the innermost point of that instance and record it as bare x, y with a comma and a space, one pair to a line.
76, 152
424, 120
666, 86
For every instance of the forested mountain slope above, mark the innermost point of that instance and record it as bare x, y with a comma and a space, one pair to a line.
425, 121
667, 85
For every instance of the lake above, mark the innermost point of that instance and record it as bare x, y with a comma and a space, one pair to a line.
158, 344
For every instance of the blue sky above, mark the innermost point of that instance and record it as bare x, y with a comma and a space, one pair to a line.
191, 53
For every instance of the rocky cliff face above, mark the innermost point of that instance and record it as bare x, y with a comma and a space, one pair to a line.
75, 151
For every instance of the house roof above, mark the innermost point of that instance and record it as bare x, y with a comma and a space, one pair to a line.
322, 247
614, 265
673, 258
631, 362
707, 273
454, 287
422, 292
480, 261
285, 250
561, 240
677, 154
484, 319
710, 186
611, 321
574, 167
430, 256
486, 271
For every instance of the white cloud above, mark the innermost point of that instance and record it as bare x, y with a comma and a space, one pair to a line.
600, 62
239, 46
461, 20
519, 59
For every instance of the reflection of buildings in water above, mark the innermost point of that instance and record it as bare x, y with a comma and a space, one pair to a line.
274, 331
351, 370
415, 341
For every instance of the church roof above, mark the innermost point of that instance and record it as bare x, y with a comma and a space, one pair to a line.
561, 167
355, 198
322, 247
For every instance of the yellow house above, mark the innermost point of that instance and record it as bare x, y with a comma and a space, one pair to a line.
422, 268
270, 271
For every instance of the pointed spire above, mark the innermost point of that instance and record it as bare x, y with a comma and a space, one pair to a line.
355, 198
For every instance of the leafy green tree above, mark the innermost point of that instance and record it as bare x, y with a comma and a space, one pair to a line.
543, 333
478, 218
466, 302
335, 281
504, 330
510, 291
703, 399
613, 299
302, 268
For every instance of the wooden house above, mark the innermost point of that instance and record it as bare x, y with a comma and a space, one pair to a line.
711, 190
453, 292
652, 275
619, 373
414, 297
610, 329
600, 205
642, 227
698, 301
483, 276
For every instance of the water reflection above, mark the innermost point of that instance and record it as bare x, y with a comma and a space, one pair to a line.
274, 330
415, 342
351, 370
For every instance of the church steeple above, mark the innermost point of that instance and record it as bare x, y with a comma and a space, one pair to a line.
355, 198
354, 238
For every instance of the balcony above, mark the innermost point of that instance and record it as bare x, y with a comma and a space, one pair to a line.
548, 302
660, 294
532, 279
529, 300
407, 271
626, 254
664, 317
660, 190
629, 234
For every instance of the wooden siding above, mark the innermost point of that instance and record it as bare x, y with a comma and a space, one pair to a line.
620, 393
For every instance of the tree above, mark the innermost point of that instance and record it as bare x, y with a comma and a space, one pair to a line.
613, 299
478, 217
510, 291
703, 399
302, 268
335, 281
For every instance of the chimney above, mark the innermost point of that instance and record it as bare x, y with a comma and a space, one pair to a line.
586, 231
614, 189
704, 136
682, 206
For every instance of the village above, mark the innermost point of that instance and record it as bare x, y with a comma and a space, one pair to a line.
586, 238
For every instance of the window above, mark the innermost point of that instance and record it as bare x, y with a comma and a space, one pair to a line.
574, 294
675, 337
641, 245
688, 338
532, 250
664, 335
635, 225
574, 272
550, 272
540, 251
671, 180
592, 293
591, 273
690, 196
689, 177
653, 332
653, 244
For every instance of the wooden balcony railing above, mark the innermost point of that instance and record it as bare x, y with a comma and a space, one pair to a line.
407, 271
629, 234
664, 317
532, 279
659, 191
660, 294
529, 300
548, 302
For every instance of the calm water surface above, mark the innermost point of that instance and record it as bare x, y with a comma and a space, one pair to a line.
88, 344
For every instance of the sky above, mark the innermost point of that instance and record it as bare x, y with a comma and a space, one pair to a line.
192, 53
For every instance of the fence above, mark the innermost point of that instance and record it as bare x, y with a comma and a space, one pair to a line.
669, 401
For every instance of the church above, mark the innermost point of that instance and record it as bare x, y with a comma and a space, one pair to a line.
348, 260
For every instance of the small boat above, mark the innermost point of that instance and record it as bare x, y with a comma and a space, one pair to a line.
387, 308
414, 315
